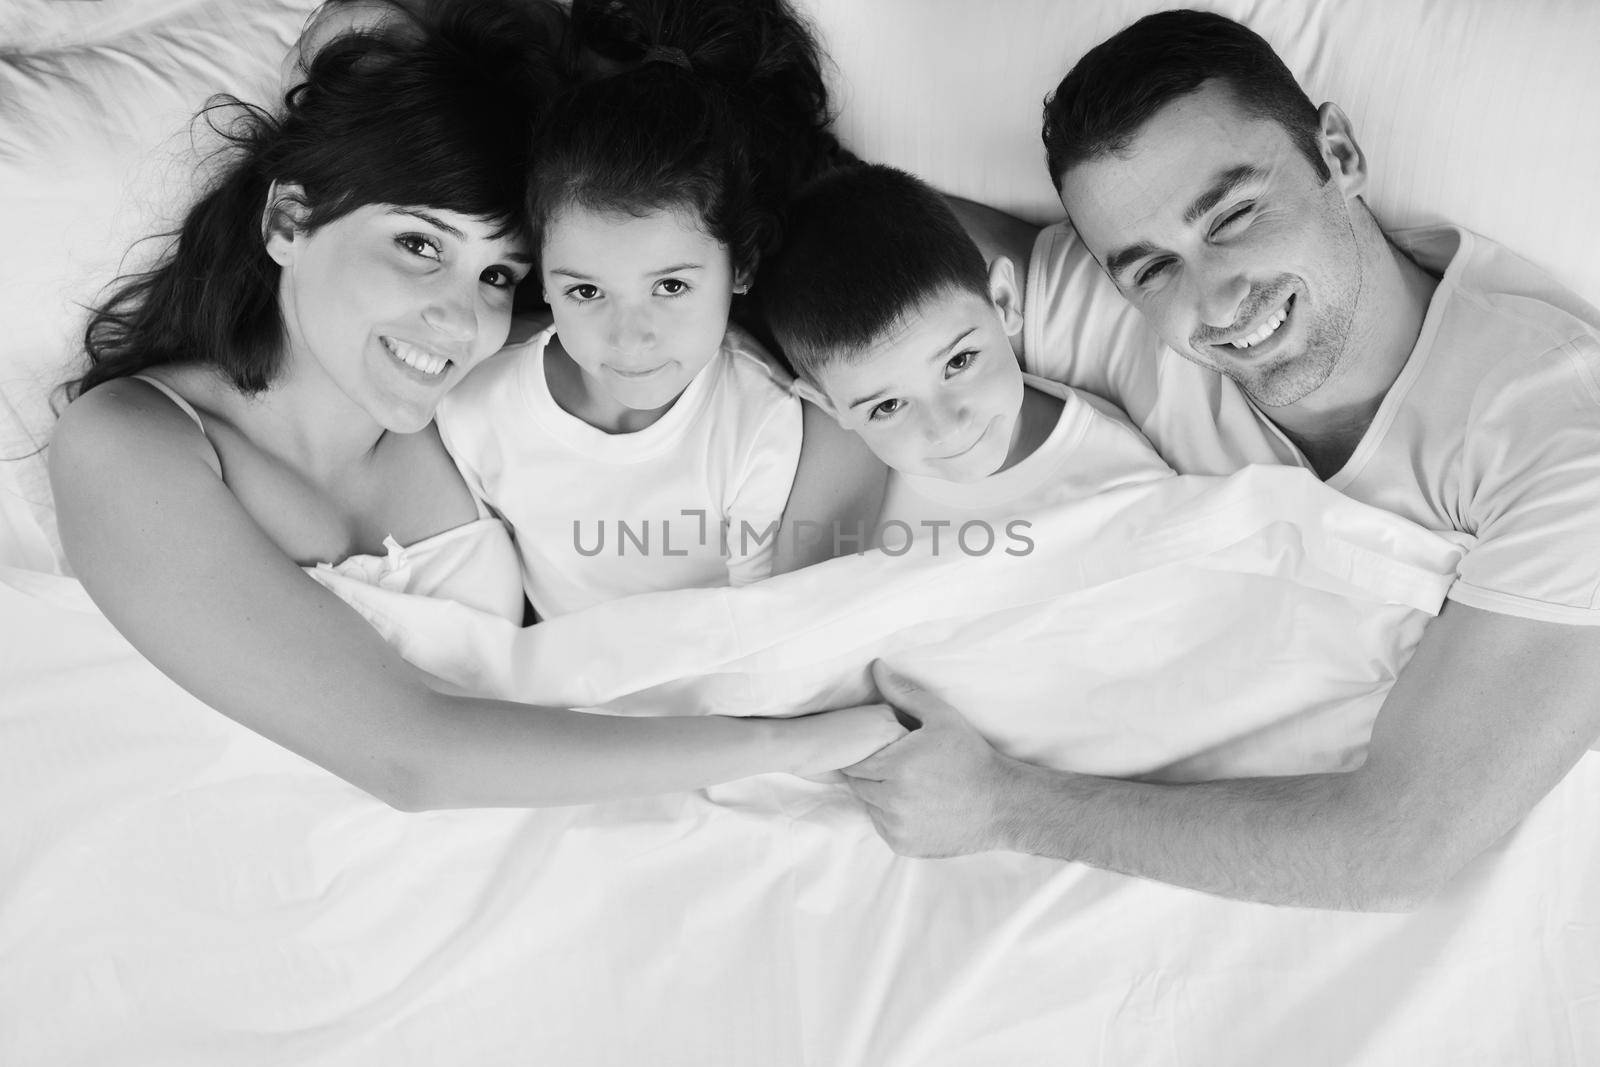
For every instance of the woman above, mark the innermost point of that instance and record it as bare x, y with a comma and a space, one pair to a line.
261, 404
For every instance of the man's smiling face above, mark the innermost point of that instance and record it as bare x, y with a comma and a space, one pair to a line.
1214, 224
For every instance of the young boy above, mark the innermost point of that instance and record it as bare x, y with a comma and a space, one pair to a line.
896, 329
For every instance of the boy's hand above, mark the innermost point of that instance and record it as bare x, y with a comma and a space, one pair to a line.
938, 791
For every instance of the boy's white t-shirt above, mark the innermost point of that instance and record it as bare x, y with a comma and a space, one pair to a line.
1492, 429
692, 501
1092, 449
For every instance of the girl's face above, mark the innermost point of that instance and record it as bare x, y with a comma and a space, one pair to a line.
640, 304
394, 304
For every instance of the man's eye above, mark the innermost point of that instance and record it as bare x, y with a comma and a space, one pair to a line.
672, 286
885, 408
583, 292
418, 245
1233, 217
962, 360
1152, 271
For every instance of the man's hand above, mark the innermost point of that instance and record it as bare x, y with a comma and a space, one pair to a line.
937, 791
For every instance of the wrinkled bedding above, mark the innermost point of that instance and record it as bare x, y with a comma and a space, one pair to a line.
176, 890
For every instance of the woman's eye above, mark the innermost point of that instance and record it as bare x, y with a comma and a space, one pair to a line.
672, 286
418, 245
500, 278
584, 292
885, 408
962, 360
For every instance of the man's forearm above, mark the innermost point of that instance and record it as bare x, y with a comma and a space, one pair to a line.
1312, 841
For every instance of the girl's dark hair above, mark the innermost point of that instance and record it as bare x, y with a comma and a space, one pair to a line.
717, 106
440, 114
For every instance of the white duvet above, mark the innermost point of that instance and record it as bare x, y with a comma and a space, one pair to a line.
176, 890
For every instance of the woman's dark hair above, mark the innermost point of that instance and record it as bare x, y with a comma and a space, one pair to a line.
440, 115
716, 106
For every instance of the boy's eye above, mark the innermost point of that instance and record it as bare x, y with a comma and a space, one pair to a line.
885, 408
583, 292
418, 245
962, 360
672, 286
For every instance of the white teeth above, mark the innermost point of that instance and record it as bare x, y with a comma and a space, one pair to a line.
1266, 330
426, 362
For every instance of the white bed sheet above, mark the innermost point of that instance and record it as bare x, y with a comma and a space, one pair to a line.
176, 890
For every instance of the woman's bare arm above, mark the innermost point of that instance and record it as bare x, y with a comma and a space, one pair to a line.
180, 568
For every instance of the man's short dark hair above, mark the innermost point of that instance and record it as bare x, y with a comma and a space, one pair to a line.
1110, 94
863, 246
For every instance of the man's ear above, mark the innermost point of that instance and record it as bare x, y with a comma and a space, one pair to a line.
811, 394
1340, 151
1006, 295
283, 221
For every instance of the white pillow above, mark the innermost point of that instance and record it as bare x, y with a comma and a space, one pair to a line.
1473, 111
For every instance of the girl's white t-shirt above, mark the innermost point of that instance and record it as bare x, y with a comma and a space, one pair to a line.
692, 501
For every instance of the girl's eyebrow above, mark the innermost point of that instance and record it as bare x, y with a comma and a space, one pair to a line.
676, 268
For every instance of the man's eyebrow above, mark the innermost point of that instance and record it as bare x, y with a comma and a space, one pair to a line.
1225, 183
1123, 258
938, 353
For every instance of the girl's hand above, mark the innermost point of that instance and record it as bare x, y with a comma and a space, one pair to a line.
828, 740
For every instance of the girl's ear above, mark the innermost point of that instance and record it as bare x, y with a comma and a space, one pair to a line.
742, 282
283, 221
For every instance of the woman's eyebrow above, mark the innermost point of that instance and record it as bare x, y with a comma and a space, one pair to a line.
431, 220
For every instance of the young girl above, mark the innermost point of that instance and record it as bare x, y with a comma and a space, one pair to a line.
260, 405
636, 442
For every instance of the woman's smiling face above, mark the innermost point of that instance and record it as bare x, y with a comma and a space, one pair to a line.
394, 304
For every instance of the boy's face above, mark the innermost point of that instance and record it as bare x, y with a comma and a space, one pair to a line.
939, 396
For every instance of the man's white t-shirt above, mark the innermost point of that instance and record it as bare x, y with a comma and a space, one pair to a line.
1092, 449
1491, 430
692, 501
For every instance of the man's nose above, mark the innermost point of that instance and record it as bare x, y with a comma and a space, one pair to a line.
1220, 290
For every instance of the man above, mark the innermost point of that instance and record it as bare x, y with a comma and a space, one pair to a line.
1431, 374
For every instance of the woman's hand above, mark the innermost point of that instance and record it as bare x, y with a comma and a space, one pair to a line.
812, 745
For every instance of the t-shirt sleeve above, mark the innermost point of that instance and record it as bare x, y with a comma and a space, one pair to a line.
1531, 468
758, 496
459, 420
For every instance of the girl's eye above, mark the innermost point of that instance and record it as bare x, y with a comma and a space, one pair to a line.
962, 360
885, 409
583, 292
672, 286
1152, 271
418, 245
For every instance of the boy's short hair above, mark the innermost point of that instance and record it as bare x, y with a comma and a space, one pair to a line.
1108, 96
863, 246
